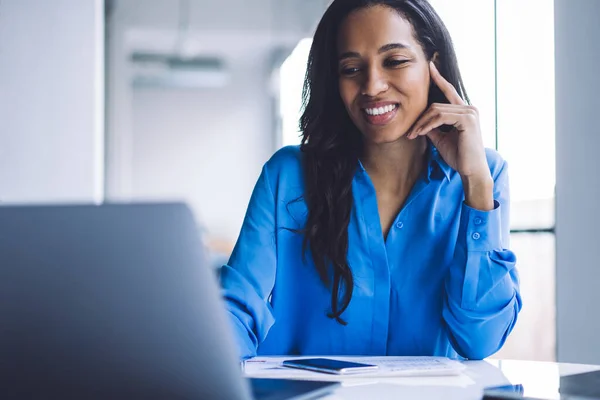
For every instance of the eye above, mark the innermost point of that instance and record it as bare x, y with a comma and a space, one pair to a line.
394, 63
348, 71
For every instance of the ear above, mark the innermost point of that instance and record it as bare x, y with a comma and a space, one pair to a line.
436, 59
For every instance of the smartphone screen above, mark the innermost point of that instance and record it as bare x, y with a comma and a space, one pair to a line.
330, 366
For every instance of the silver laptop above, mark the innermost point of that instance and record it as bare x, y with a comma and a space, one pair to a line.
116, 301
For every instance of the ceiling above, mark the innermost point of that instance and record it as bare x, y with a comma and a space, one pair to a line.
231, 28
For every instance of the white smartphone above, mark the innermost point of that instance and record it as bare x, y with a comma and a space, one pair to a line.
330, 366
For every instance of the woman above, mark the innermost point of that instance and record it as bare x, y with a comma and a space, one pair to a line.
386, 232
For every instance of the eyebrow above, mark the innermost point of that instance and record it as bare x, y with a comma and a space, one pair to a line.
382, 49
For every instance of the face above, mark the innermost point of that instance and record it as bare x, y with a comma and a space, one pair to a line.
383, 73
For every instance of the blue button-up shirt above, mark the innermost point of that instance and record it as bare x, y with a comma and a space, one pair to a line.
443, 282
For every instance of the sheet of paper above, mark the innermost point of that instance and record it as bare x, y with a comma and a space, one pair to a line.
388, 367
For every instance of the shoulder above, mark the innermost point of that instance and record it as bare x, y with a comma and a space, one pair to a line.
284, 158
285, 166
496, 163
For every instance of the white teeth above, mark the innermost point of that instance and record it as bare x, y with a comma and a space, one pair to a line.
380, 110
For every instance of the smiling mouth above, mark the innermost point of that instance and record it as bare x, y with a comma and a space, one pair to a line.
380, 115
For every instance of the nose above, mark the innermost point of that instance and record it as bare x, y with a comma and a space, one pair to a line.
375, 82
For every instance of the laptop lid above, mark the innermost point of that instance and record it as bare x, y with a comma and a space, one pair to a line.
111, 301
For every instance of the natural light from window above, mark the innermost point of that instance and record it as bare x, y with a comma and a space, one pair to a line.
292, 74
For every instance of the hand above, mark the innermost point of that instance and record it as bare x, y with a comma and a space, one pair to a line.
462, 147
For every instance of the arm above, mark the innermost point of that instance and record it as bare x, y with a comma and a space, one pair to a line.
482, 299
249, 277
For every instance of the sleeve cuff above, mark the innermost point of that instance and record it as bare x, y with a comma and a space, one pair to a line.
482, 230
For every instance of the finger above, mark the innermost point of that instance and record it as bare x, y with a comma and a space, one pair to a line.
439, 108
432, 112
446, 87
455, 108
425, 119
436, 122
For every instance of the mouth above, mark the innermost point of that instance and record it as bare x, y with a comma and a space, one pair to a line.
380, 114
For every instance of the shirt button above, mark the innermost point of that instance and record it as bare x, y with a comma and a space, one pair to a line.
478, 221
400, 225
476, 236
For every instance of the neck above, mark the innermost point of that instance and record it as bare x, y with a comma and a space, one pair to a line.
396, 165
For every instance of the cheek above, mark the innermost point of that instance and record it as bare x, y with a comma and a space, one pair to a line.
347, 92
414, 84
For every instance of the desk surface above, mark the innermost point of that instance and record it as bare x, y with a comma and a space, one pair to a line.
541, 379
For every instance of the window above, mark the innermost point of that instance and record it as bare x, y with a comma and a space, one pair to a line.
292, 74
471, 26
526, 138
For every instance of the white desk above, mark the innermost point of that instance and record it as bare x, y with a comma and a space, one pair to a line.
541, 377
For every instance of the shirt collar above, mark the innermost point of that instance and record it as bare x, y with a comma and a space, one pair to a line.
435, 164
361, 167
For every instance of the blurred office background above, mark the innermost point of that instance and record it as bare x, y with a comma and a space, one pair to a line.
155, 100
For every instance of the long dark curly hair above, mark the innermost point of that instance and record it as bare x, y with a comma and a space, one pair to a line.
331, 143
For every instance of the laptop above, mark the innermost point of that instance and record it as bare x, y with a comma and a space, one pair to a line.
117, 301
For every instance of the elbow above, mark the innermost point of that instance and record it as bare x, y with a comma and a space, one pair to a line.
480, 338
481, 345
478, 346
477, 349
474, 345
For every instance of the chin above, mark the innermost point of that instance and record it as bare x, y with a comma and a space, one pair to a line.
383, 136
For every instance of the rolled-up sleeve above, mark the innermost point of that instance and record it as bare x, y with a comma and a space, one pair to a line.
249, 276
482, 298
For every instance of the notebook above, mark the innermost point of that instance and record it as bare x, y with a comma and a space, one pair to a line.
388, 367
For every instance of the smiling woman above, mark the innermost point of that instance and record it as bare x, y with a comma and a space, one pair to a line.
385, 231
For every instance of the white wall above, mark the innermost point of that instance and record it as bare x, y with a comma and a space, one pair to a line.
51, 100
203, 146
578, 184
119, 108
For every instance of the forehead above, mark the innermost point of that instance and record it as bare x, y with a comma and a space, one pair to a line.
372, 27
